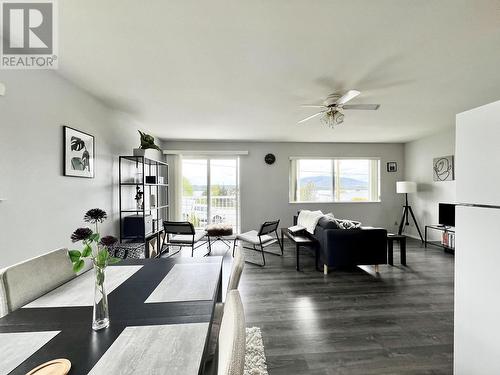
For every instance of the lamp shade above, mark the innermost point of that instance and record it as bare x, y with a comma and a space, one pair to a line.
403, 187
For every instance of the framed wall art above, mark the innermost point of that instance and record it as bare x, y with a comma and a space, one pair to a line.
79, 153
392, 166
443, 168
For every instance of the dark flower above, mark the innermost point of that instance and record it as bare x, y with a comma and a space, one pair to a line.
81, 234
95, 215
108, 241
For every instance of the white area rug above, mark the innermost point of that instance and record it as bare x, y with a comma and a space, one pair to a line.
255, 358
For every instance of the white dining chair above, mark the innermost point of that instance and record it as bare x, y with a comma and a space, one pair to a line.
234, 281
236, 269
232, 337
24, 282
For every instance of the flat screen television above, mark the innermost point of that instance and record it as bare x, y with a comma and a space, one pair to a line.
447, 214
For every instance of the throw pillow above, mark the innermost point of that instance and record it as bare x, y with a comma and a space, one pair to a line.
348, 224
330, 216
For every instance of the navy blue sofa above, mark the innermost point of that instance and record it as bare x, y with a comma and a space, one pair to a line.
341, 248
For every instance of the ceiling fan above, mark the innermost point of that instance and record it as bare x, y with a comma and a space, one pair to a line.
333, 107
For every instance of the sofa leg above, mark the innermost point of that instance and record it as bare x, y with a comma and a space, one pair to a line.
376, 268
325, 269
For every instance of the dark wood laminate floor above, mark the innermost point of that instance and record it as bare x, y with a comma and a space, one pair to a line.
353, 322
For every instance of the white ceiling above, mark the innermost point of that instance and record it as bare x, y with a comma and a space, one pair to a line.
190, 69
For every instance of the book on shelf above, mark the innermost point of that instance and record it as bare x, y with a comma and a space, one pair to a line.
448, 240
296, 229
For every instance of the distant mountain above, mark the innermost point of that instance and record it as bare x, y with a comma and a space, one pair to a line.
324, 182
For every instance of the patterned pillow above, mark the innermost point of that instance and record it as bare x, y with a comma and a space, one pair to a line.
348, 224
134, 250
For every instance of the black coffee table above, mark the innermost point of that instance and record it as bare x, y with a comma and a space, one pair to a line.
301, 240
390, 247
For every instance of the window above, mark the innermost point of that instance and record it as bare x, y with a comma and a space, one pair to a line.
334, 180
210, 191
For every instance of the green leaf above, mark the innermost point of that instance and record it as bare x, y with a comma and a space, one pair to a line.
77, 267
94, 237
74, 255
113, 260
87, 250
102, 257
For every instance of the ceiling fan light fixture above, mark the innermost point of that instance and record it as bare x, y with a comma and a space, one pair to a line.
332, 118
333, 108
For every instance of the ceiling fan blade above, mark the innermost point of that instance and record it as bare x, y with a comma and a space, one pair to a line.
311, 117
312, 106
349, 95
371, 107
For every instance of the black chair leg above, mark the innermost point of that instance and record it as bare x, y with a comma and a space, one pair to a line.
162, 243
279, 242
263, 256
234, 245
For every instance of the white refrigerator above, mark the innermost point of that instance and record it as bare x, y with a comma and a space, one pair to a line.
477, 252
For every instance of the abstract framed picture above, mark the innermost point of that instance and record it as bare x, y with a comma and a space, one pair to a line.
392, 166
79, 153
443, 168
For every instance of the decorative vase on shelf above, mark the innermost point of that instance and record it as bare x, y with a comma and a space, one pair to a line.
101, 309
139, 204
149, 153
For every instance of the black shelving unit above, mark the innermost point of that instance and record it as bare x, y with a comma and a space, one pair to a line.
132, 174
441, 228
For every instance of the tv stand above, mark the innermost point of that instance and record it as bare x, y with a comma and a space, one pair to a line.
441, 228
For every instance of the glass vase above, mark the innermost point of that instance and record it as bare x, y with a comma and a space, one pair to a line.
101, 308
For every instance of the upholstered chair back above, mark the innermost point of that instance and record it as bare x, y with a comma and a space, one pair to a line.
237, 269
24, 282
232, 337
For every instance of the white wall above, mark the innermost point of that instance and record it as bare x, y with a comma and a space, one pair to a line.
418, 167
264, 188
43, 207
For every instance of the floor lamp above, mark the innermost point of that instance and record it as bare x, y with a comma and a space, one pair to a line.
405, 187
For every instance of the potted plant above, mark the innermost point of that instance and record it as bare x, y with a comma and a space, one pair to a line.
95, 248
148, 148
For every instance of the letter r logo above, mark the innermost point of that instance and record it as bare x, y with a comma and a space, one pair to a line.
27, 28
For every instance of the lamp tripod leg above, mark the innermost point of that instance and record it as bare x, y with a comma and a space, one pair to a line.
416, 224
403, 219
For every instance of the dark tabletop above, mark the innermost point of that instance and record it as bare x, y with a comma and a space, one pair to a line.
83, 346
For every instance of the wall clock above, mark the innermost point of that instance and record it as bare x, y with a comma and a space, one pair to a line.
270, 159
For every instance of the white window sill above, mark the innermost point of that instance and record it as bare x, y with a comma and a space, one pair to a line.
336, 202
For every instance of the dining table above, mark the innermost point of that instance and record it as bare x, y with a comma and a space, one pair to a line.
160, 319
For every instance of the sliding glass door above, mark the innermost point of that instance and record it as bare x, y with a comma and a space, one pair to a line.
210, 191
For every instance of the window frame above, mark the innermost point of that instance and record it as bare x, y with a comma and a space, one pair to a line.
374, 180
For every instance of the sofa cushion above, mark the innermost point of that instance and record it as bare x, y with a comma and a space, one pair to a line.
328, 222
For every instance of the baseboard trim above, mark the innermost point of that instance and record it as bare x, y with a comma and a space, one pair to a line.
415, 237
